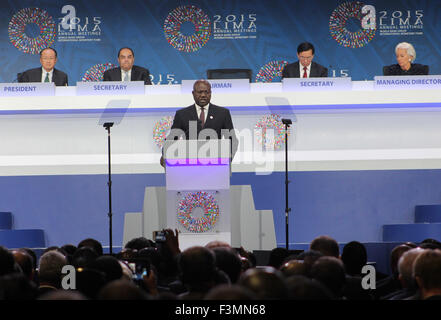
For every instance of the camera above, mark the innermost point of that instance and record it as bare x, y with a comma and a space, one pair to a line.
159, 236
140, 268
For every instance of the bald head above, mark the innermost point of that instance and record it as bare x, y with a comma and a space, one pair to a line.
405, 267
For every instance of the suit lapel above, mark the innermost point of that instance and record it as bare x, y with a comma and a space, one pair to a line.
118, 74
40, 73
192, 114
210, 116
133, 75
314, 71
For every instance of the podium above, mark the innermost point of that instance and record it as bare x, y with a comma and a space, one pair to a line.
198, 186
198, 189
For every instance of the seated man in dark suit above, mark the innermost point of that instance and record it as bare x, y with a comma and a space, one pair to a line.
205, 115
47, 72
304, 68
126, 70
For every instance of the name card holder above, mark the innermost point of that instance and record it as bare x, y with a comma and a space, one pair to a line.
407, 82
220, 85
317, 84
110, 88
28, 89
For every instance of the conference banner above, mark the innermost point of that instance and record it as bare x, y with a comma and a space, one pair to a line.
181, 40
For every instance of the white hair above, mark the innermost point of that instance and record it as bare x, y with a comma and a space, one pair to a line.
409, 49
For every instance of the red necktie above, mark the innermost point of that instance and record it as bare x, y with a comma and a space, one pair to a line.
202, 117
305, 74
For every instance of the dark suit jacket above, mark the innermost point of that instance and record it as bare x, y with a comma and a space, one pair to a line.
218, 118
34, 75
415, 69
138, 74
292, 70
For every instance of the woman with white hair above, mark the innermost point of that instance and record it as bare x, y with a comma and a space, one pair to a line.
406, 55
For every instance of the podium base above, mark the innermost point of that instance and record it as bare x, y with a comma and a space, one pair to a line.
250, 228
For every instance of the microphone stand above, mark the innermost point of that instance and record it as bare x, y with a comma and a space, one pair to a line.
108, 125
286, 122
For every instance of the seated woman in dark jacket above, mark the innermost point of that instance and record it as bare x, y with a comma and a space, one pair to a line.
406, 54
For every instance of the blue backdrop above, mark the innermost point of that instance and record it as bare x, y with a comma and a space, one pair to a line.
179, 40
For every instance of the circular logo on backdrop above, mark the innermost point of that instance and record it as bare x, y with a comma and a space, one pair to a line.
95, 73
174, 34
161, 130
209, 206
271, 122
271, 71
27, 17
339, 19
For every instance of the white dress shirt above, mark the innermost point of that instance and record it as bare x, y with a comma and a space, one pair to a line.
123, 73
198, 110
43, 74
308, 70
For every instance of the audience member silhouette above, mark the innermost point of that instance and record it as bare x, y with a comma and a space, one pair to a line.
92, 243
330, 271
426, 270
109, 266
266, 283
278, 257
7, 262
308, 258
49, 271
122, 290
16, 286
405, 276
89, 282
304, 288
139, 243
354, 257
294, 268
391, 283
326, 245
229, 262
197, 271
70, 251
427, 273
24, 260
34, 258
430, 244
83, 257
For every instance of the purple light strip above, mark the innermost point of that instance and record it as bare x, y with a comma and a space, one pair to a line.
197, 162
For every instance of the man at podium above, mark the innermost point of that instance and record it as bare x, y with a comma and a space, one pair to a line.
190, 122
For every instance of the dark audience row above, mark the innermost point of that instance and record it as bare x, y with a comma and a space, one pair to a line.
148, 270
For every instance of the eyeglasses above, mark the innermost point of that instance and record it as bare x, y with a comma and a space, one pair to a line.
306, 58
48, 58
